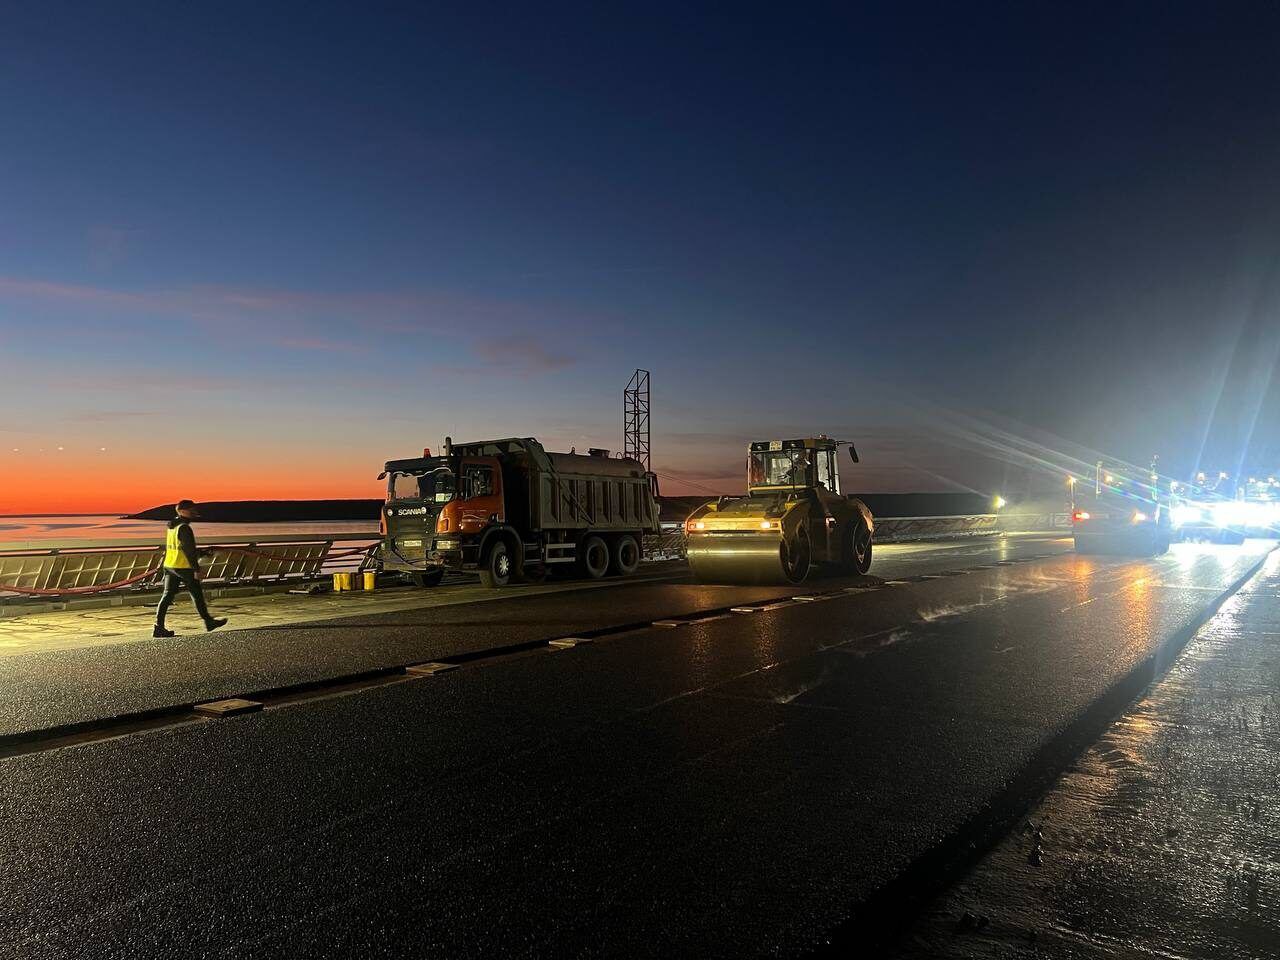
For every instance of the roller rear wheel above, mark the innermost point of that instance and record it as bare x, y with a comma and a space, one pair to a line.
797, 558
862, 549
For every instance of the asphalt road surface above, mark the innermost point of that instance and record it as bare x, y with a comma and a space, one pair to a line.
743, 784
81, 685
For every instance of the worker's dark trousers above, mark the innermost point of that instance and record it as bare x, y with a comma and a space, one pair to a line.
175, 580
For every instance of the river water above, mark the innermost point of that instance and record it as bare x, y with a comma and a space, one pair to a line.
42, 532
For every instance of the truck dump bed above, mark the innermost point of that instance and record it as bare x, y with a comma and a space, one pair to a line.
569, 491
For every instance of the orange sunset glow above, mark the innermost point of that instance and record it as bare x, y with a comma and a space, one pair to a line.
106, 481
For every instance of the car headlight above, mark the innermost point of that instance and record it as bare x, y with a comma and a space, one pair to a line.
1183, 515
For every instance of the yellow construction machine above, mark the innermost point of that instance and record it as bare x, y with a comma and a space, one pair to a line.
792, 518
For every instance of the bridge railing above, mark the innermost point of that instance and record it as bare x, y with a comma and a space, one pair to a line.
61, 572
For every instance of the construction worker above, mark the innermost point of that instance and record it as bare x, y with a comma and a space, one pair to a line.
182, 569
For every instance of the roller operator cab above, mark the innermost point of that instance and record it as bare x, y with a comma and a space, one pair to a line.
792, 519
1121, 510
510, 510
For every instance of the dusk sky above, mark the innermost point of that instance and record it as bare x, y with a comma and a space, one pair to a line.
254, 251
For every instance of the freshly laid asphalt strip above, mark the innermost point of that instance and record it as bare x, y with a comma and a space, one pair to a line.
1160, 841
41, 691
723, 789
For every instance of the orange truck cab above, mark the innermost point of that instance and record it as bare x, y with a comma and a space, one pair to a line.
509, 509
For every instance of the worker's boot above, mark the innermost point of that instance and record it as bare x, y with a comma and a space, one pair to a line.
159, 632
213, 623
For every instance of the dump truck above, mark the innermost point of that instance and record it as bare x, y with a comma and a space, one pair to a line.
511, 510
792, 519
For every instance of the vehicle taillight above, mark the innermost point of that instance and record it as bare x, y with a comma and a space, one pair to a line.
1081, 515
693, 525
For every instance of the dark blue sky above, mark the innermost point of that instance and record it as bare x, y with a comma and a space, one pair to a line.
330, 235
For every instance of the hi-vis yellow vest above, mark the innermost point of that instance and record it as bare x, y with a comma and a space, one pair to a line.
174, 556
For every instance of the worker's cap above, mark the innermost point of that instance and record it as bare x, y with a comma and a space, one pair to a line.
188, 505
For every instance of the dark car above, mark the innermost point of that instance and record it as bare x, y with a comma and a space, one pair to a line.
1121, 511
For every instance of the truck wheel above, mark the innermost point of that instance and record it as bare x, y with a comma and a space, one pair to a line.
593, 557
431, 578
496, 571
626, 556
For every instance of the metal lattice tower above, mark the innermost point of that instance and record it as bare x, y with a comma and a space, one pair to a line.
635, 443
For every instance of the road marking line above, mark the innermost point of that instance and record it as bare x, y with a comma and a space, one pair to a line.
429, 669
228, 708
566, 643
668, 624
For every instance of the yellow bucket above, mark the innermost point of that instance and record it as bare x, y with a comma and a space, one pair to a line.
370, 579
339, 582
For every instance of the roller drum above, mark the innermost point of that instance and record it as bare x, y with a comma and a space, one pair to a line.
737, 559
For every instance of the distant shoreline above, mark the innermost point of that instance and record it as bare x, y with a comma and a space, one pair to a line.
271, 511
39, 516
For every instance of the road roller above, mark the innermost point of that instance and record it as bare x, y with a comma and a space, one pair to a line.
792, 519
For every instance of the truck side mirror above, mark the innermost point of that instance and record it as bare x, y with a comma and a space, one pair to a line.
853, 454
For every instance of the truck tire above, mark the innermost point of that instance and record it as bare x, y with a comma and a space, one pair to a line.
431, 578
498, 566
593, 557
626, 556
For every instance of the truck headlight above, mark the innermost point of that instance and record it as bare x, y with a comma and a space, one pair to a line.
446, 545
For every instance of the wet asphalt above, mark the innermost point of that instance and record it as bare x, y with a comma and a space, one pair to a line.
1160, 840
61, 687
735, 787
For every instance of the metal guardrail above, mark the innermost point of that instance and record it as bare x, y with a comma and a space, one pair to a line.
898, 529
61, 572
